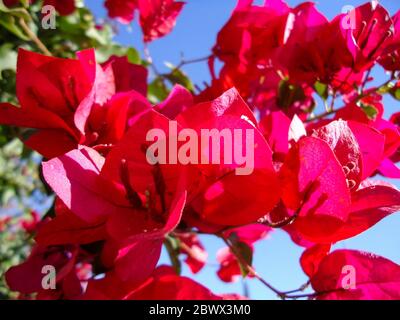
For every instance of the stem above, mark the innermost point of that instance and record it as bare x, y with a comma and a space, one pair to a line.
34, 38
323, 115
301, 288
184, 63
187, 250
332, 105
393, 77
190, 61
305, 295
281, 223
365, 80
149, 59
250, 269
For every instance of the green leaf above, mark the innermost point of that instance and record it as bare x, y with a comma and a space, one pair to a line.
289, 94
321, 89
104, 53
173, 249
25, 3
7, 195
133, 56
18, 11
369, 110
14, 148
247, 255
243, 253
9, 23
8, 58
157, 91
94, 34
177, 76
386, 88
395, 92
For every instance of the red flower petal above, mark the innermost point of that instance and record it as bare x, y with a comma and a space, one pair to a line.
374, 277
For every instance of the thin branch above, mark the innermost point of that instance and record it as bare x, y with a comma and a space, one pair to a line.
250, 269
301, 288
323, 115
191, 61
189, 251
281, 223
393, 77
305, 295
34, 38
332, 105
184, 63
149, 59
364, 83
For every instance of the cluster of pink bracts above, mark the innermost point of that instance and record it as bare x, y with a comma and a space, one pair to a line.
311, 175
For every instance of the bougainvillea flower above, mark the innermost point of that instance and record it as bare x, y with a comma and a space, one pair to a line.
117, 193
156, 17
395, 119
66, 81
27, 277
156, 193
31, 224
56, 96
315, 49
391, 54
166, 285
378, 138
196, 255
372, 202
68, 228
315, 187
68, 102
177, 101
355, 275
344, 144
128, 76
105, 200
275, 128
229, 270
221, 193
279, 131
127, 268
108, 123
251, 33
388, 166
312, 257
373, 30
162, 284
74, 177
245, 44
389, 169
371, 143
391, 147
123, 10
346, 79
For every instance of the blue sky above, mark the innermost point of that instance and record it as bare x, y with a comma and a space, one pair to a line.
276, 258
